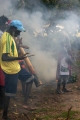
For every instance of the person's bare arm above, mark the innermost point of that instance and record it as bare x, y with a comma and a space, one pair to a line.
7, 58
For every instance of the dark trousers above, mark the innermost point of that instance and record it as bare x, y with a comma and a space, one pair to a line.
62, 80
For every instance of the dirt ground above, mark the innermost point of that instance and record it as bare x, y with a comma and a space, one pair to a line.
49, 105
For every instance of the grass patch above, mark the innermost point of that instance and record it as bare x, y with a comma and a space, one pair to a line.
47, 117
52, 116
64, 115
44, 110
77, 63
63, 105
41, 110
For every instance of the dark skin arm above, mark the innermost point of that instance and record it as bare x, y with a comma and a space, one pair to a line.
7, 58
24, 46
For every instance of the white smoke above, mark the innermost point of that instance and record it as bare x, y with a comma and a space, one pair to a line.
7, 7
34, 22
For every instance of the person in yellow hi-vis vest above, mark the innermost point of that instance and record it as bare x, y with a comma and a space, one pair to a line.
9, 62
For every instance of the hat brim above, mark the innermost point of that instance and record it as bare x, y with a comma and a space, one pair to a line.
21, 29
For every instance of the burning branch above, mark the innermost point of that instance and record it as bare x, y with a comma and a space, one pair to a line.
68, 115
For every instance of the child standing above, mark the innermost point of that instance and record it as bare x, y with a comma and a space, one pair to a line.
64, 60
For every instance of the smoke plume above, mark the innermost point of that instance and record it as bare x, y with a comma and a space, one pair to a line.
43, 33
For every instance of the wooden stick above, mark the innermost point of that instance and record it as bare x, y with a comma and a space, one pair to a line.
27, 61
68, 115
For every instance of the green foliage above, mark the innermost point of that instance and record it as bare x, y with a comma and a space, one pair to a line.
73, 78
68, 4
78, 63
61, 4
50, 2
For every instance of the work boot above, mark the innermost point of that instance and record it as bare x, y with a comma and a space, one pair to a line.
37, 82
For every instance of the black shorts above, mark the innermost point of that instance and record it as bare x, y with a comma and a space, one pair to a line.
11, 81
25, 76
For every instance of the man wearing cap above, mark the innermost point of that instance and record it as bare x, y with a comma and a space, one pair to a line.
3, 20
9, 62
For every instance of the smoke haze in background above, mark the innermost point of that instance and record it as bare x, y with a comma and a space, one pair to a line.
43, 34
